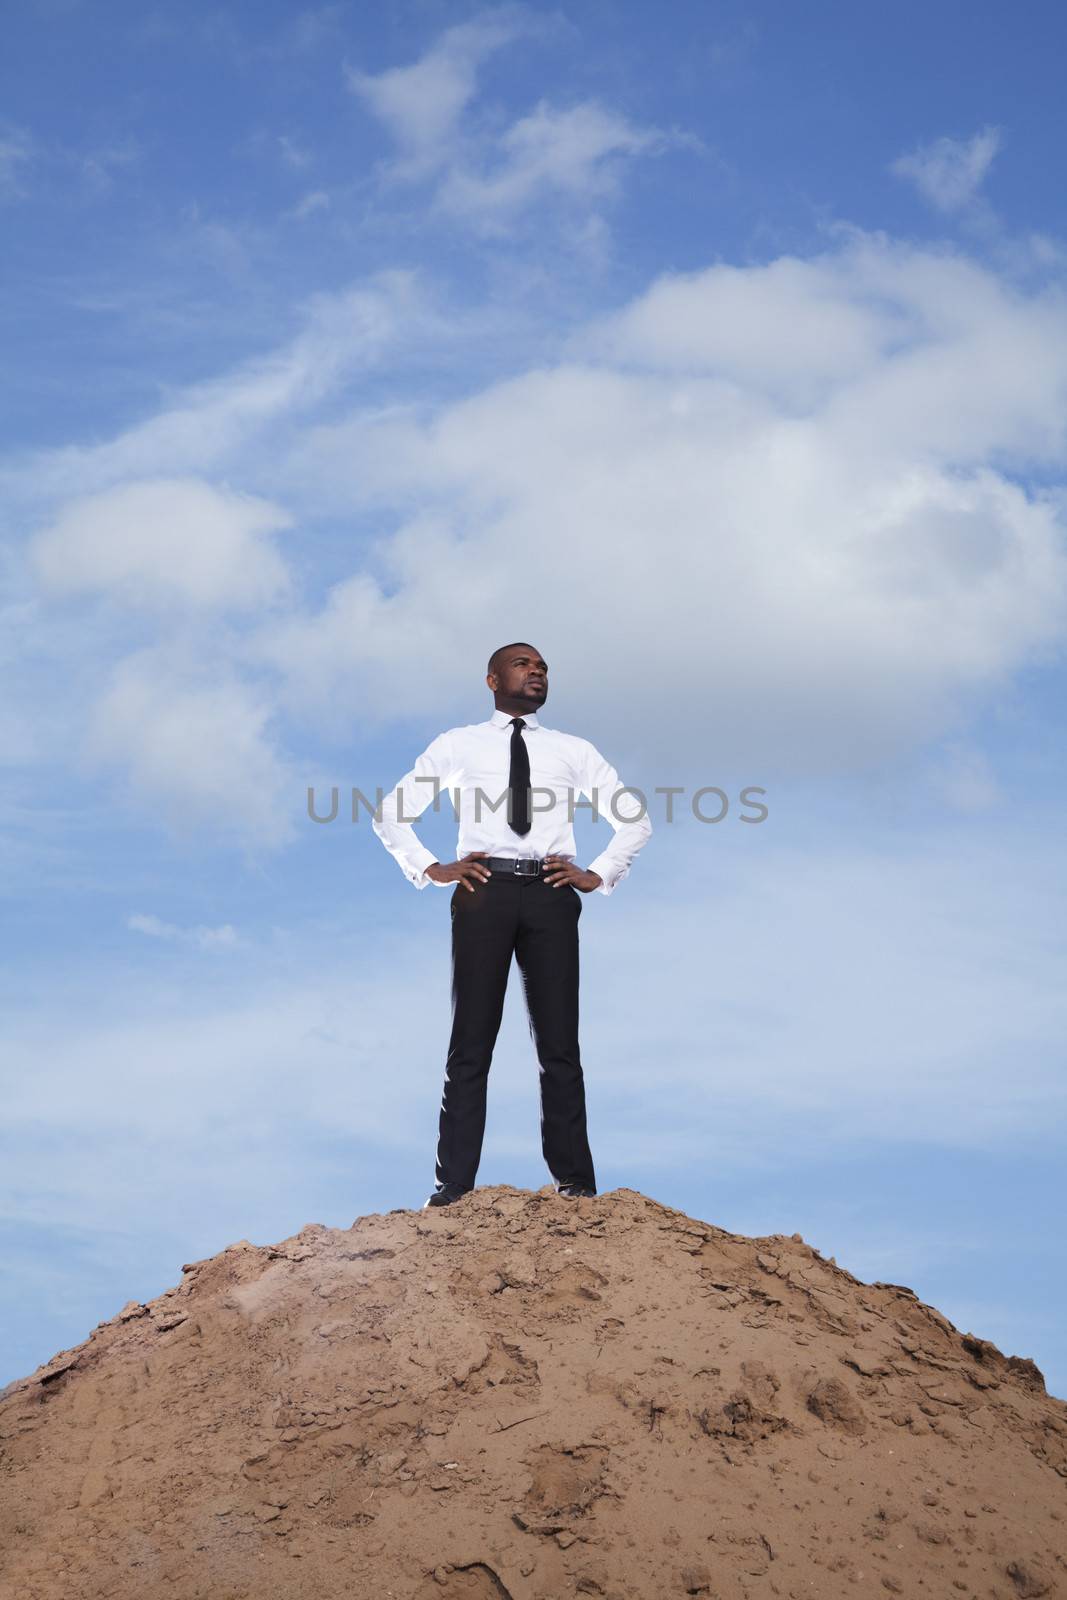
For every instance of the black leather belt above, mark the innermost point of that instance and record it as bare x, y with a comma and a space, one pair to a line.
519, 867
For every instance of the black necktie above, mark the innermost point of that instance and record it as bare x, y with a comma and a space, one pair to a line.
519, 780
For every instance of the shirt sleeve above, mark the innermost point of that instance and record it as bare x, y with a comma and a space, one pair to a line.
600, 782
408, 800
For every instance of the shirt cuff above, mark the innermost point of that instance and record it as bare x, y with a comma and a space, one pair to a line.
602, 869
416, 870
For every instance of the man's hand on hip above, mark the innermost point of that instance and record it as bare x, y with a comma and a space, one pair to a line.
468, 872
559, 870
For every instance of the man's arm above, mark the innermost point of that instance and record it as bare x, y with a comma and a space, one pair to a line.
409, 799
600, 782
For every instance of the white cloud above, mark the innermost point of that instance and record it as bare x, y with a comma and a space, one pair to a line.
790, 490
314, 200
343, 333
964, 777
552, 150
165, 540
421, 105
309, 30
881, 986
221, 938
292, 153
16, 151
788, 495
193, 746
791, 327
95, 166
949, 172
484, 175
99, 166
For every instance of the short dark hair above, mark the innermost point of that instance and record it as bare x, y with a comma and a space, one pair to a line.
492, 667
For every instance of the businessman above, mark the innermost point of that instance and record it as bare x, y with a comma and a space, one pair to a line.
517, 891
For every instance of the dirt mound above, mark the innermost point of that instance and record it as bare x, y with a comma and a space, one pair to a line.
522, 1395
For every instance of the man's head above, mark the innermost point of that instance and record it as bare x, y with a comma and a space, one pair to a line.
518, 677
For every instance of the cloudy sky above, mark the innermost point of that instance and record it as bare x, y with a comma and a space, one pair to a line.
718, 350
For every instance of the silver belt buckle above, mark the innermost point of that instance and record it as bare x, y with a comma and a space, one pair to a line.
533, 863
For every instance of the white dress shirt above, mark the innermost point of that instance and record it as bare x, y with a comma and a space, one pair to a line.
566, 773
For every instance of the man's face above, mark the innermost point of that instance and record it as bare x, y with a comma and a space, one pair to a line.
522, 675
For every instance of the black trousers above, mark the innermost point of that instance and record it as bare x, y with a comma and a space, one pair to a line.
538, 924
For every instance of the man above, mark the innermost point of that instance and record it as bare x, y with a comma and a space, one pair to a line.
517, 892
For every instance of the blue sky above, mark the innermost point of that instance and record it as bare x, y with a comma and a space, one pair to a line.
719, 350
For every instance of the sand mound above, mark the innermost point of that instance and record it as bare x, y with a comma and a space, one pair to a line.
526, 1396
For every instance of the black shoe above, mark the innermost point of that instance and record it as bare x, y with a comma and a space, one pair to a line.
445, 1195
575, 1191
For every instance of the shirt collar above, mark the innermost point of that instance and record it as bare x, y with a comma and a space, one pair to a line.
502, 719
